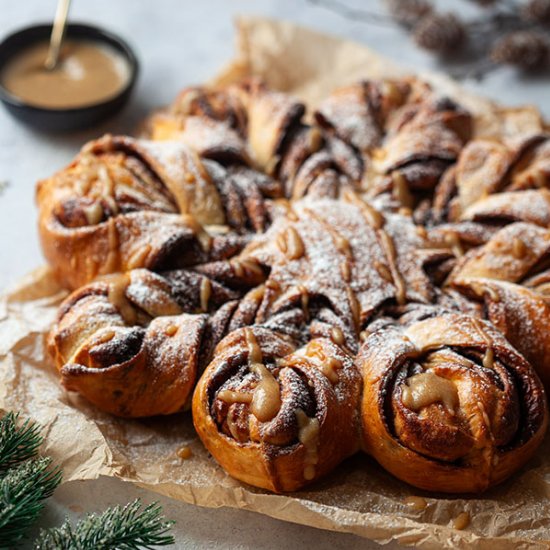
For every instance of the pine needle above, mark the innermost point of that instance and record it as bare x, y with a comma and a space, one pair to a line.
17, 443
22, 492
128, 528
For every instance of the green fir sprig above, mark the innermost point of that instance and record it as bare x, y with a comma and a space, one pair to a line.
22, 493
17, 442
127, 528
26, 480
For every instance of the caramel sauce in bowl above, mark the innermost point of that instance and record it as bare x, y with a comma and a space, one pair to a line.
93, 80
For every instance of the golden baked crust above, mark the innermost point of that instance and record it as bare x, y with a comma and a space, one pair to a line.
292, 427
126, 203
448, 405
369, 275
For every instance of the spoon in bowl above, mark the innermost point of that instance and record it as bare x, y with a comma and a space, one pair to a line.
58, 30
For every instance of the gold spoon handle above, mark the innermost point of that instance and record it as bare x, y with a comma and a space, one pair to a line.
58, 31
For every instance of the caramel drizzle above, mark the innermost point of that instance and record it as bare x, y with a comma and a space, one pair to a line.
104, 337
138, 258
231, 397
273, 284
108, 188
329, 366
290, 243
355, 308
254, 350
257, 294
453, 241
426, 388
205, 293
113, 256
376, 220
170, 330
266, 400
337, 336
246, 267
345, 271
117, 285
519, 249
416, 503
295, 249
384, 271
204, 238
461, 521
488, 358
373, 217
93, 213
237, 268
401, 189
481, 289
342, 244
308, 435
304, 298
184, 452
271, 165
315, 139
251, 265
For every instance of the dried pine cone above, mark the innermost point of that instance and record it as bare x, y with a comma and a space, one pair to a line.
537, 10
439, 32
409, 12
525, 49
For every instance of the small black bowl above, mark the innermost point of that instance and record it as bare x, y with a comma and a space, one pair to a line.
58, 119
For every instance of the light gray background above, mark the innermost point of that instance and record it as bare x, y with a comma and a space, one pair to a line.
180, 42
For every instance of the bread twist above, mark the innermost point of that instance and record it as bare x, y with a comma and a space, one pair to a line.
365, 277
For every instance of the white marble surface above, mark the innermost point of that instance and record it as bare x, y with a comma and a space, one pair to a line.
179, 43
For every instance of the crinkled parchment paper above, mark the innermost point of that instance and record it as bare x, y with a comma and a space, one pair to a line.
359, 497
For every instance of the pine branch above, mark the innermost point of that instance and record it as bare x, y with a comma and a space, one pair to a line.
26, 481
128, 528
22, 492
17, 443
